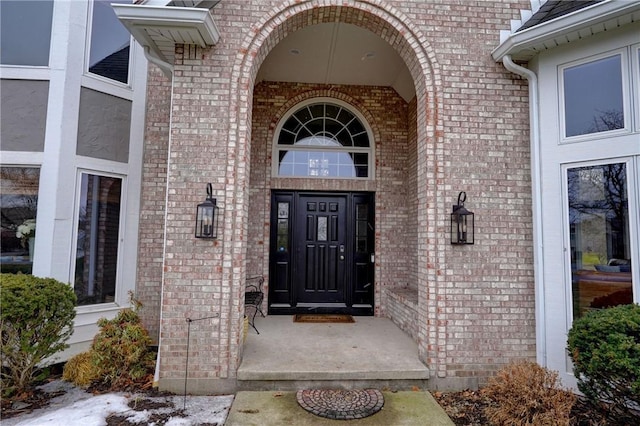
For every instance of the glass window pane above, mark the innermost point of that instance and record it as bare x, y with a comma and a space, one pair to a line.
599, 234
109, 56
330, 127
593, 100
103, 126
98, 231
25, 32
303, 115
322, 228
18, 207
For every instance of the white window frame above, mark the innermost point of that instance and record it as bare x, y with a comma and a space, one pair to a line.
120, 298
626, 108
275, 157
635, 83
98, 82
632, 165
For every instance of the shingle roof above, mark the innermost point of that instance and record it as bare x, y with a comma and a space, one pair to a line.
555, 8
114, 66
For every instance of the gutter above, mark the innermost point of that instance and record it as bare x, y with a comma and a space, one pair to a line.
584, 22
536, 177
166, 67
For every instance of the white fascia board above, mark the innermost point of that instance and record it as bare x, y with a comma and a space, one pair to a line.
155, 2
579, 20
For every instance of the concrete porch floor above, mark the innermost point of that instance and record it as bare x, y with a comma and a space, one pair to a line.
372, 352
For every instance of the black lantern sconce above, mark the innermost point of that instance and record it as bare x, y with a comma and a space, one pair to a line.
462, 222
207, 217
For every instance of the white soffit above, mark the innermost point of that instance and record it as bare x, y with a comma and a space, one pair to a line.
583, 23
160, 28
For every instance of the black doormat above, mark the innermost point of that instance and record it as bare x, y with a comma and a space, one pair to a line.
323, 318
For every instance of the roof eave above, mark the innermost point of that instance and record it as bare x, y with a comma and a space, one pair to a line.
525, 44
177, 25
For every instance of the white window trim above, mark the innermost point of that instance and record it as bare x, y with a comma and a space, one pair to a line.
22, 158
624, 65
275, 148
635, 83
121, 297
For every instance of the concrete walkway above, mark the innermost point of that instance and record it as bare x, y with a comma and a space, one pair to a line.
275, 408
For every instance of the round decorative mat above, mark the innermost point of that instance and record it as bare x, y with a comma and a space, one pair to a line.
339, 404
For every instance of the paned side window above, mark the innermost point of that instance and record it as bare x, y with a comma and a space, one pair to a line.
323, 140
97, 239
110, 42
25, 32
18, 208
593, 96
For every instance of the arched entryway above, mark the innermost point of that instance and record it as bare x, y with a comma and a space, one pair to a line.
404, 254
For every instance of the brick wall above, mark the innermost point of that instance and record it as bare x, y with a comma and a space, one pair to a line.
467, 129
152, 200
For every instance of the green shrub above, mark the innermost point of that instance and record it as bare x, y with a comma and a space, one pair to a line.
119, 355
525, 393
604, 346
36, 320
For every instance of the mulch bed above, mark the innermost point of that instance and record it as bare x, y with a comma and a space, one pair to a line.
466, 408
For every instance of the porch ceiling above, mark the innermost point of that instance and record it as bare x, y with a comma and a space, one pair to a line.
337, 53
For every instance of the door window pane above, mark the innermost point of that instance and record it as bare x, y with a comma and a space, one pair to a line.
322, 228
593, 100
110, 40
599, 233
25, 32
98, 233
18, 207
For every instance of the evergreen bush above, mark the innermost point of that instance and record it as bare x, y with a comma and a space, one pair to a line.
36, 320
604, 346
525, 393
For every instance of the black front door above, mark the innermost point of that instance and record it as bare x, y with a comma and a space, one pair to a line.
321, 253
320, 235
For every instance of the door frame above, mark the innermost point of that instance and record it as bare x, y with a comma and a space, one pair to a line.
283, 251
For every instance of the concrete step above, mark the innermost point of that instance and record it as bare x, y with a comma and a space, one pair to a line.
372, 352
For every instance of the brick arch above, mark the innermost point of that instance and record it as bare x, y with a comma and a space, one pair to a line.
412, 46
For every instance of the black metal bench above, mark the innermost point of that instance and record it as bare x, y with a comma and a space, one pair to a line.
253, 297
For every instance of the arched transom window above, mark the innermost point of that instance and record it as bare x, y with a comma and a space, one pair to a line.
323, 139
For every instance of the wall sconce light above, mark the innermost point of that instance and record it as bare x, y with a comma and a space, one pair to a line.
207, 217
462, 222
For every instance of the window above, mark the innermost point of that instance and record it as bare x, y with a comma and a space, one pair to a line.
110, 41
98, 234
635, 61
593, 96
323, 139
18, 207
25, 32
601, 259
